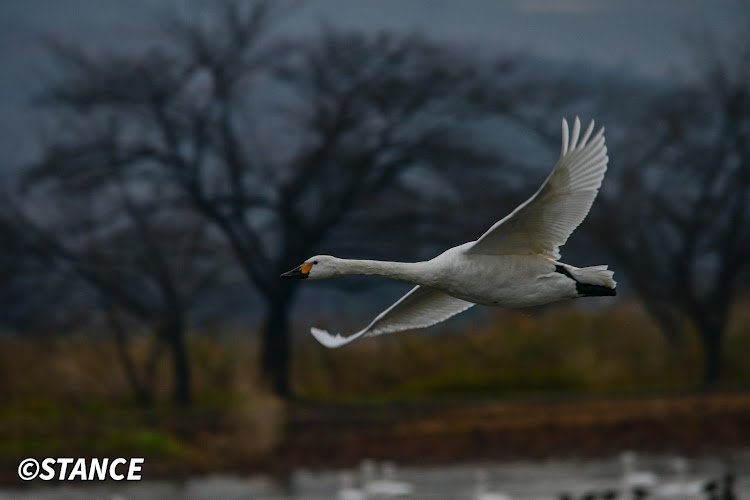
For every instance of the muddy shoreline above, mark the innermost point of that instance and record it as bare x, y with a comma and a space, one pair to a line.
411, 433
329, 436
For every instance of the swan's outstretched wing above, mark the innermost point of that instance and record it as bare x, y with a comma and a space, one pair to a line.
421, 307
544, 222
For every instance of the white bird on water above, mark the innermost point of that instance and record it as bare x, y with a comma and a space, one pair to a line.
514, 264
387, 486
347, 491
481, 488
680, 487
634, 478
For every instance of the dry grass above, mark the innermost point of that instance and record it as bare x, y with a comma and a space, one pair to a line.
559, 350
68, 395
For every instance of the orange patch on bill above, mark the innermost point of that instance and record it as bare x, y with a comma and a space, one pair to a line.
305, 268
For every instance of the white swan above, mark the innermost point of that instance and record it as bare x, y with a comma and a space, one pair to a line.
481, 488
680, 487
387, 486
347, 491
514, 264
634, 478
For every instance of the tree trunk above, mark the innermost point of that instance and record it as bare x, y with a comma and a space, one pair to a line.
173, 330
143, 392
668, 320
276, 349
711, 330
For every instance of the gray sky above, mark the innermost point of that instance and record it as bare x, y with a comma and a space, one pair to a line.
644, 37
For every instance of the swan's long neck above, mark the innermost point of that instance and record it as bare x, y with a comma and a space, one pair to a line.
413, 272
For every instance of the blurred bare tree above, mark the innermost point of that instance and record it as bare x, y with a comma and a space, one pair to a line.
274, 143
678, 218
126, 238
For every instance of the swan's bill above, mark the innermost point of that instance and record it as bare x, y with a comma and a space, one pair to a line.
298, 273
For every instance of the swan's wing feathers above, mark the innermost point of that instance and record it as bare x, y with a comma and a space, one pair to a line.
544, 222
421, 307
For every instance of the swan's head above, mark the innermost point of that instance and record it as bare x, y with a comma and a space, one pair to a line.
315, 268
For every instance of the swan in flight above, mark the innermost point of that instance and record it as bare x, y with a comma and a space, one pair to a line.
514, 264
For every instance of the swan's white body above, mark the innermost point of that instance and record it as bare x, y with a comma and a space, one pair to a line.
514, 264
634, 478
387, 486
481, 488
347, 490
680, 486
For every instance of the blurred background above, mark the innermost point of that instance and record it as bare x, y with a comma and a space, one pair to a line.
164, 162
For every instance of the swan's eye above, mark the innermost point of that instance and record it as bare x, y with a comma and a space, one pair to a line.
315, 262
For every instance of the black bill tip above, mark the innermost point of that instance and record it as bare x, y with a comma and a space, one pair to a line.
294, 274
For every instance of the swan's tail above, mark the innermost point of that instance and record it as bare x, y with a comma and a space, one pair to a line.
594, 281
